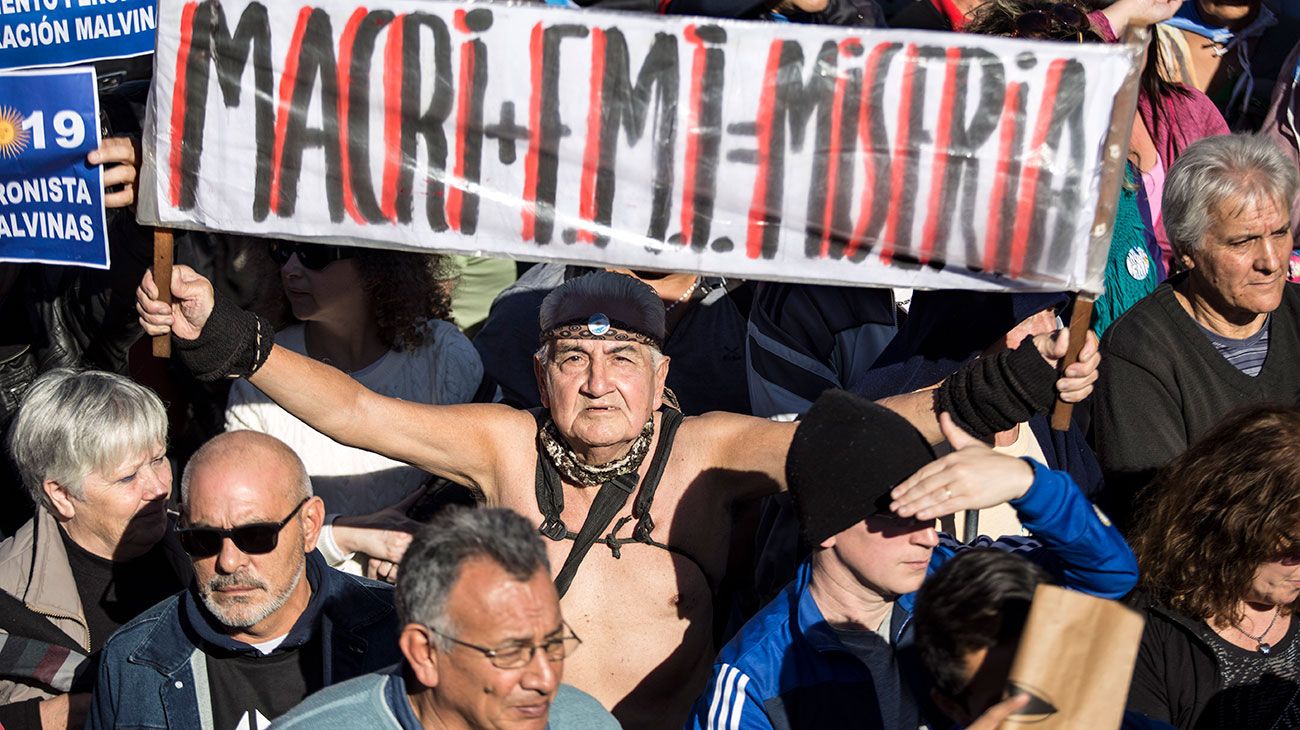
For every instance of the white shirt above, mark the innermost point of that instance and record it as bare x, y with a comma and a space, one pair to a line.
445, 370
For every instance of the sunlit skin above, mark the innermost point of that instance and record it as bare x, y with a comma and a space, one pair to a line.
242, 485
123, 511
1234, 15
600, 393
1238, 273
1212, 72
490, 608
861, 570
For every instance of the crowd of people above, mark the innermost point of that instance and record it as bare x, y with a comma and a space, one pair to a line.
418, 491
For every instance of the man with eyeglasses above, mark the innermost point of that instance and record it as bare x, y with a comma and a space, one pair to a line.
266, 621
482, 637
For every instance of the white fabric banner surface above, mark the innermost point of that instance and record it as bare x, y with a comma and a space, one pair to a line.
758, 150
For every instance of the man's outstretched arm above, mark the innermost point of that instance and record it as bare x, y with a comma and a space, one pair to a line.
756, 448
459, 442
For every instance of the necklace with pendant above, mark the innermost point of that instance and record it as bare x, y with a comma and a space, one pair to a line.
1262, 646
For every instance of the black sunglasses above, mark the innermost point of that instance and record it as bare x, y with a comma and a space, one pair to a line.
1046, 23
258, 538
312, 256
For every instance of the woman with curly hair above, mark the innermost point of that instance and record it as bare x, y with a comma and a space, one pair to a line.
1218, 549
383, 318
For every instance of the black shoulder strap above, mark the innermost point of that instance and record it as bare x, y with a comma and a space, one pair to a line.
548, 488
644, 498
609, 501
605, 507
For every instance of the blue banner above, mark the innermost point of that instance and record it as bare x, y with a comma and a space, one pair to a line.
62, 32
51, 200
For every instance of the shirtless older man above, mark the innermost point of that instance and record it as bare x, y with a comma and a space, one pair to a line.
656, 488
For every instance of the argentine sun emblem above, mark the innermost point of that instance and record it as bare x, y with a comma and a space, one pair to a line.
13, 138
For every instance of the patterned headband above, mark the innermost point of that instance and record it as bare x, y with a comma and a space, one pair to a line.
599, 327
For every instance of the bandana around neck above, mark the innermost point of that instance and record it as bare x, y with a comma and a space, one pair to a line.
566, 462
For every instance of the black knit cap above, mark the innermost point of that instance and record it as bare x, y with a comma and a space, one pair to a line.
847, 454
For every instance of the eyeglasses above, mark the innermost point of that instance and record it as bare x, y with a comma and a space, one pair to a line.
514, 657
258, 538
1046, 22
312, 256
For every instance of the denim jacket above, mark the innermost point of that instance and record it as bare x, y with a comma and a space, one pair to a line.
148, 677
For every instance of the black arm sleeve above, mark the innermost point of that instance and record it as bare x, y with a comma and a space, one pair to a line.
24, 715
992, 394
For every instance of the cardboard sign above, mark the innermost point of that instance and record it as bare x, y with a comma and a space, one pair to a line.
758, 150
62, 32
1075, 661
51, 201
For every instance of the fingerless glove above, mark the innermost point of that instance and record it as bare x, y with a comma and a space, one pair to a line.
233, 343
992, 394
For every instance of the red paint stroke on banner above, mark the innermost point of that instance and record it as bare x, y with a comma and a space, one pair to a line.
392, 116
456, 194
591, 154
903, 140
692, 132
345, 84
288, 80
766, 106
529, 210
994, 230
942, 153
1029, 181
178, 104
868, 156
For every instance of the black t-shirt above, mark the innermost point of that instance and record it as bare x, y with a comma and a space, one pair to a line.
1255, 689
247, 690
113, 593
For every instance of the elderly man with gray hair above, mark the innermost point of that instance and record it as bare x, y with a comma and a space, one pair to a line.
634, 499
482, 638
91, 449
1223, 333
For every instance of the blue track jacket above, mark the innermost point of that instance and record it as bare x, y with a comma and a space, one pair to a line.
787, 668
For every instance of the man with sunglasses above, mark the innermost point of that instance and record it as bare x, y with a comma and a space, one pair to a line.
482, 638
608, 431
266, 622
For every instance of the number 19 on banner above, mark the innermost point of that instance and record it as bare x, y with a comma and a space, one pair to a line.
67, 126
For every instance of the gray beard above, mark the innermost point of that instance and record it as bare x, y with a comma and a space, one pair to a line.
243, 615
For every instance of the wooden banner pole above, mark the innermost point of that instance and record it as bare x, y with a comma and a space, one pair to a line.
1113, 161
163, 244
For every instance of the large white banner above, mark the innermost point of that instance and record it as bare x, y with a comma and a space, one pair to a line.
758, 150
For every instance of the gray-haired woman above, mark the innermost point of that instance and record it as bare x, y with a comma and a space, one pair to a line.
1224, 333
91, 449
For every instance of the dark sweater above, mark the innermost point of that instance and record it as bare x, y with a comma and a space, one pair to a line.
1163, 384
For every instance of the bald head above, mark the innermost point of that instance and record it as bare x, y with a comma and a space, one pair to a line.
236, 452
